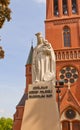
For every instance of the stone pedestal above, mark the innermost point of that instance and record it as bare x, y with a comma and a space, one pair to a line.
41, 111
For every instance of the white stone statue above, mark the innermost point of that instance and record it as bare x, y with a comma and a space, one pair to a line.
43, 64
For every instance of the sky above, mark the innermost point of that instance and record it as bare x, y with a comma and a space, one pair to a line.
27, 18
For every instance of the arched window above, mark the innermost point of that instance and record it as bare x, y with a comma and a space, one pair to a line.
65, 7
74, 7
71, 119
67, 37
56, 11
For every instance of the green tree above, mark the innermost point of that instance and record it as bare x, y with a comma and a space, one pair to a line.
6, 123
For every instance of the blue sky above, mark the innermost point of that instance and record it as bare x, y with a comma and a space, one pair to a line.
27, 19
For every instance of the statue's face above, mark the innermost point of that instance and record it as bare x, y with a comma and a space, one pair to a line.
40, 40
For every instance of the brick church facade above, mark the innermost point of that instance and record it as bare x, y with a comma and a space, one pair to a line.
62, 30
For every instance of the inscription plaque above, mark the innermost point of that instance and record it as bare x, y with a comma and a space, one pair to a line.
40, 91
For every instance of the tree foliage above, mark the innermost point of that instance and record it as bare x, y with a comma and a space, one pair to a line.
5, 12
6, 123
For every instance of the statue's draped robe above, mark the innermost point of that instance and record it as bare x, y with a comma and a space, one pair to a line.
43, 65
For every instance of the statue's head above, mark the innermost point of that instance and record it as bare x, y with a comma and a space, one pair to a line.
39, 38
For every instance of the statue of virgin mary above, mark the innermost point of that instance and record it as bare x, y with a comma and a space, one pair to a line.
43, 63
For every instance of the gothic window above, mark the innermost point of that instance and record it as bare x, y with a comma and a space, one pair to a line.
65, 7
66, 35
56, 11
71, 119
74, 7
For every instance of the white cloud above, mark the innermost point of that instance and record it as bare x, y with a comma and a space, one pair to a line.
40, 1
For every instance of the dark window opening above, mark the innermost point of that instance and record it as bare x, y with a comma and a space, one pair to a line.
74, 7
65, 125
66, 35
56, 11
65, 7
76, 125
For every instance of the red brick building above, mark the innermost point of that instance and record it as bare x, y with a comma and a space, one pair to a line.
62, 30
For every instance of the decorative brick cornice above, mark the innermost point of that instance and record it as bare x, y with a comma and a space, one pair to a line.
65, 21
